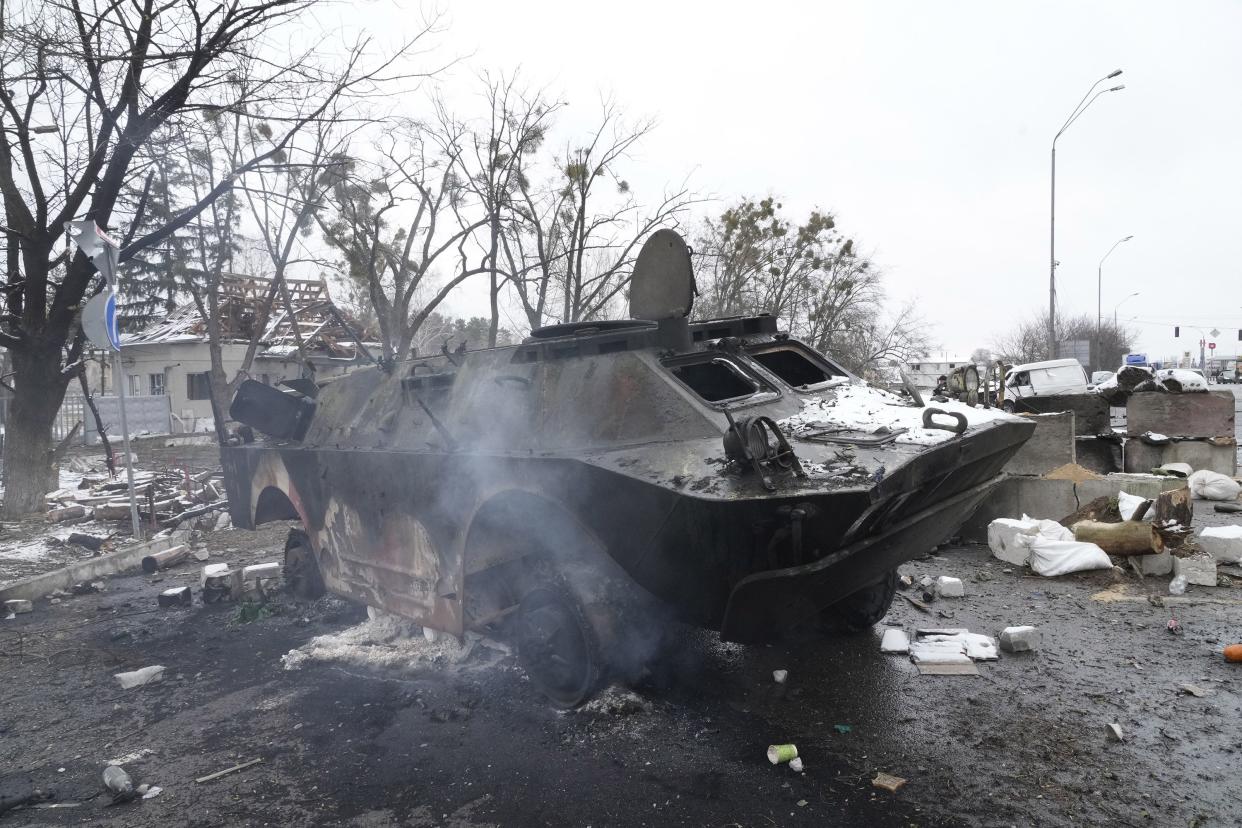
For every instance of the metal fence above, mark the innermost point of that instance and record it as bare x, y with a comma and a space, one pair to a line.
147, 414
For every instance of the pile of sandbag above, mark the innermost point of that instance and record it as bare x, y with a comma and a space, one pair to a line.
1210, 485
1045, 545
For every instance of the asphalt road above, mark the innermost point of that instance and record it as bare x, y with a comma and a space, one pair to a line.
435, 742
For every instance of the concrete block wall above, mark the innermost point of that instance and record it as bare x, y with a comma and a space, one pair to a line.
1209, 414
1050, 446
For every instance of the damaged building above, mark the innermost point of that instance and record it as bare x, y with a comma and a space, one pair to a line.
171, 358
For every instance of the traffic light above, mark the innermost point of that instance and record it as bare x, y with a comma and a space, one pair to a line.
1177, 331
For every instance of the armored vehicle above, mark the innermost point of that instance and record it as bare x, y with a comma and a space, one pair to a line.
572, 489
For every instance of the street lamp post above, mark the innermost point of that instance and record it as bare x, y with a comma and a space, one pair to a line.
1119, 304
1099, 310
1086, 101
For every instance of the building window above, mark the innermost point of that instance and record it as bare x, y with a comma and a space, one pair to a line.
156, 384
198, 386
135, 385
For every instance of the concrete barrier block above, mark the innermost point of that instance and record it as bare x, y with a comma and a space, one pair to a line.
1209, 414
1199, 569
1050, 446
1016, 496
1146, 486
1223, 543
1090, 410
1099, 456
1198, 454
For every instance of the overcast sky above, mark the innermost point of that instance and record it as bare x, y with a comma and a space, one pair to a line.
926, 128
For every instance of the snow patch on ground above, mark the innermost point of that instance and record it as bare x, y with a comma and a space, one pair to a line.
870, 410
390, 642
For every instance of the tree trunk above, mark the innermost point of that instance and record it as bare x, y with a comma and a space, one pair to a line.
29, 470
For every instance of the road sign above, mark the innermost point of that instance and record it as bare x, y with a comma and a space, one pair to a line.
1211, 346
99, 321
1215, 332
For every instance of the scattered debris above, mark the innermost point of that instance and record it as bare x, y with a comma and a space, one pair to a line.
1174, 626
1072, 471
1233, 653
795, 764
887, 782
85, 541
162, 560
1177, 586
915, 602
1224, 543
1195, 690
175, 597
227, 771
779, 676
152, 792
117, 781
843, 729
1114, 732
779, 754
18, 606
616, 701
137, 678
895, 641
1198, 568
1020, 639
947, 587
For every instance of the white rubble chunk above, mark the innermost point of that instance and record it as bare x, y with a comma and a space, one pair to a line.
215, 570
951, 651
980, 647
1020, 639
137, 678
1198, 569
895, 641
1056, 557
947, 587
18, 606
1224, 543
1159, 564
263, 570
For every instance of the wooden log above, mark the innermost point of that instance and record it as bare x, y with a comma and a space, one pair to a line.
1174, 505
66, 513
163, 560
1126, 538
1103, 509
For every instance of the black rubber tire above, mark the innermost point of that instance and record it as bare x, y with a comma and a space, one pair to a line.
1007, 406
302, 576
557, 647
865, 608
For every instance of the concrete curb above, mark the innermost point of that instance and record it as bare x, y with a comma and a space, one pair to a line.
37, 586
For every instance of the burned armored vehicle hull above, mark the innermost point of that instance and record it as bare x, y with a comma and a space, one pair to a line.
574, 486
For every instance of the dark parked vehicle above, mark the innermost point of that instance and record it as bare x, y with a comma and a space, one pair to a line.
570, 490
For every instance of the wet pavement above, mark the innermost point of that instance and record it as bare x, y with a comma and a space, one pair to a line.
470, 743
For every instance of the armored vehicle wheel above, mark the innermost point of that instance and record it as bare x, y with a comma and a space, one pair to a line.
557, 646
302, 575
1007, 406
864, 609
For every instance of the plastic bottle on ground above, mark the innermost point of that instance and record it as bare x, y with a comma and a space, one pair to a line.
1178, 585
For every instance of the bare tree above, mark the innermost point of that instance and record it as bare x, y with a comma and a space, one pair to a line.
571, 246
83, 87
397, 220
754, 260
1028, 340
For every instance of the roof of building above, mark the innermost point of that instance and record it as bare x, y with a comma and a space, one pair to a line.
309, 312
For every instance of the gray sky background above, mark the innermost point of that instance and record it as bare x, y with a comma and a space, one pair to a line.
926, 128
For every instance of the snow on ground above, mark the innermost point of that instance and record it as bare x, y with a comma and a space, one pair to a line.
388, 641
870, 410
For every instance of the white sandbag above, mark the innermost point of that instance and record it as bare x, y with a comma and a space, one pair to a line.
1210, 485
1056, 557
1127, 504
1051, 530
1002, 539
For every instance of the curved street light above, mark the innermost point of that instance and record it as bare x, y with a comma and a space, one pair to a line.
1119, 304
1086, 101
1099, 310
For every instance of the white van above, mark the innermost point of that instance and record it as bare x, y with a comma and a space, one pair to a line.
1041, 379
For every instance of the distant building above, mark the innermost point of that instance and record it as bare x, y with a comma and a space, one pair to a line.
171, 358
926, 371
